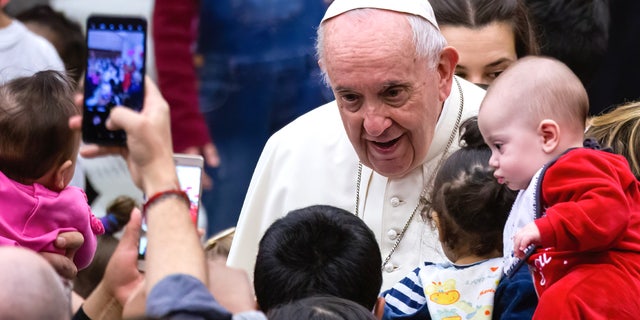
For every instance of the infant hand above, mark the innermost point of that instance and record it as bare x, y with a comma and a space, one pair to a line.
529, 234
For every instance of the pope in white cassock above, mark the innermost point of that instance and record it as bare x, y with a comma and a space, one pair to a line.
374, 150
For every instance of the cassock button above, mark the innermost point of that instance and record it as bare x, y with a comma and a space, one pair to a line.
389, 267
392, 234
395, 202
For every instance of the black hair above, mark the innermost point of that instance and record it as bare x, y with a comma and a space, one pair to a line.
321, 308
472, 206
479, 13
574, 32
318, 250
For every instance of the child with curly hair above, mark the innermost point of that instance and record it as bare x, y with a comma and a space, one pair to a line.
469, 209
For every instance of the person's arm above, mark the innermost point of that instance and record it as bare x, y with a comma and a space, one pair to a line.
581, 187
121, 277
231, 287
174, 32
175, 259
174, 246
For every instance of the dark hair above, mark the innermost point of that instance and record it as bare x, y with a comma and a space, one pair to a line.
34, 125
321, 308
574, 32
479, 13
472, 206
68, 37
317, 250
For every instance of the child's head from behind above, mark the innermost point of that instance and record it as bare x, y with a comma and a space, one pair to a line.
531, 114
321, 308
317, 250
469, 206
37, 144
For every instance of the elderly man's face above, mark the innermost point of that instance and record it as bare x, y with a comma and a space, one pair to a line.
389, 100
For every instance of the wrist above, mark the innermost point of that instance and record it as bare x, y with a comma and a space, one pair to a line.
161, 196
101, 304
160, 179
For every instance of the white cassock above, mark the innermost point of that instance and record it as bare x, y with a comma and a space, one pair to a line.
311, 161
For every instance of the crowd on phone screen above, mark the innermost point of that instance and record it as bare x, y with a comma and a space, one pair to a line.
113, 81
439, 231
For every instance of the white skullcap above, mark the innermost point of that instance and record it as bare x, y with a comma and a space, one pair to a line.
420, 8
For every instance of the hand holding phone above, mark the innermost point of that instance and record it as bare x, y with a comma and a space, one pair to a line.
190, 171
116, 66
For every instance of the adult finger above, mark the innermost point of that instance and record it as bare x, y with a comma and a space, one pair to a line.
70, 242
63, 265
210, 153
93, 150
132, 229
128, 119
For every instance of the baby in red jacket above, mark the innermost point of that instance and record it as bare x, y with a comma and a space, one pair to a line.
584, 214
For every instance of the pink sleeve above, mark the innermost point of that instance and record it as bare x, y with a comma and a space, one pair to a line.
90, 227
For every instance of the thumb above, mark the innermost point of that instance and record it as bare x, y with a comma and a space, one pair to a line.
132, 229
122, 118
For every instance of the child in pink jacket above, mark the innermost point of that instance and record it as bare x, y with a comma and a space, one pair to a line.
37, 160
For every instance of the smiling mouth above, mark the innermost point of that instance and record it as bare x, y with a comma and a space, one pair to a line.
386, 145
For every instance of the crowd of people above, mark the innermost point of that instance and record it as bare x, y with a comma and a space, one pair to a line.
456, 173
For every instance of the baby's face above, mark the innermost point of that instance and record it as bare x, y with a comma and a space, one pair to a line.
516, 146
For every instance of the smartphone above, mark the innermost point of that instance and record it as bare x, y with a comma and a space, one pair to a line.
116, 66
190, 171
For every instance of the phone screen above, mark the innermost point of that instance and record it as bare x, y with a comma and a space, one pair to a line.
190, 177
115, 73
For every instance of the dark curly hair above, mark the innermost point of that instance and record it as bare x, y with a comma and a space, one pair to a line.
472, 206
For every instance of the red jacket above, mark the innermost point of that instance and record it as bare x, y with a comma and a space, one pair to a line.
590, 238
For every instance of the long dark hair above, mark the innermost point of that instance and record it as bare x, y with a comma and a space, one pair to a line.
479, 13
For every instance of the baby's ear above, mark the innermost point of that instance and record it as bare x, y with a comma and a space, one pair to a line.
549, 133
63, 171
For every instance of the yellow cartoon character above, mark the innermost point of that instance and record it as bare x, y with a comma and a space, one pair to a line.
442, 293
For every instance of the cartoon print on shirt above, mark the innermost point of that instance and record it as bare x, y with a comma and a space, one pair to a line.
446, 294
442, 293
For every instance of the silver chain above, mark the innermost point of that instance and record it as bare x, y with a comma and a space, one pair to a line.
422, 201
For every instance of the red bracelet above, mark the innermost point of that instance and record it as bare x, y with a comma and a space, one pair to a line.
164, 194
